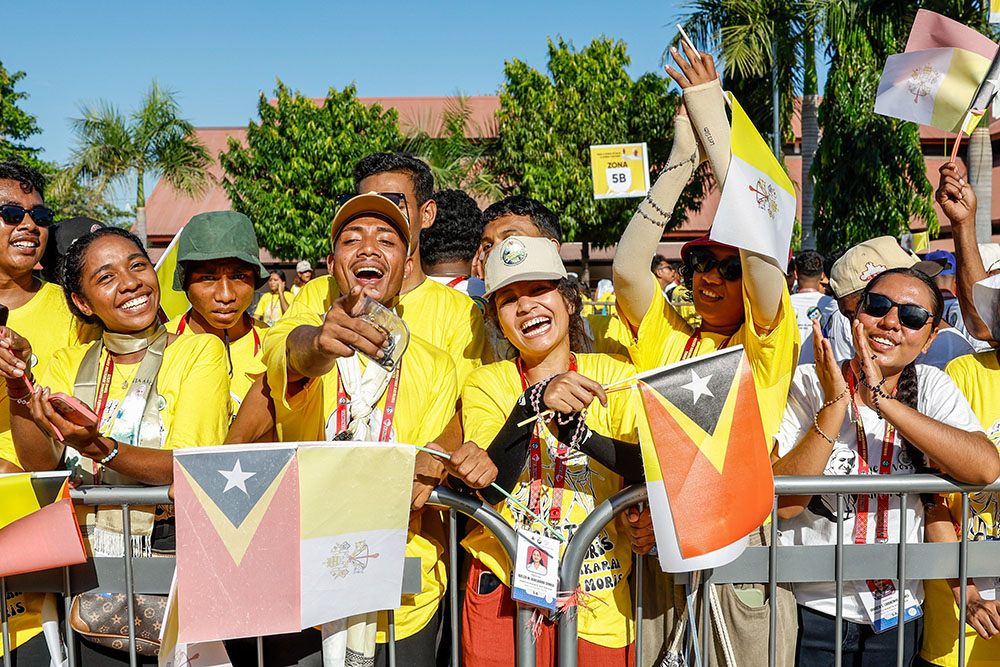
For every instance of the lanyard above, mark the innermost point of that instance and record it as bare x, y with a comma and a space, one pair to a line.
104, 385
387, 415
693, 343
884, 468
182, 325
455, 281
535, 460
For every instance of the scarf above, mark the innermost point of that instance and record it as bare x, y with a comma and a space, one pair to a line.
364, 391
137, 423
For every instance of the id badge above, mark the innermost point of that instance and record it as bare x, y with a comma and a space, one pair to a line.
536, 570
881, 601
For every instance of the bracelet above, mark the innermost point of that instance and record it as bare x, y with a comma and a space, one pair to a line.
21, 399
658, 223
820, 431
832, 401
107, 459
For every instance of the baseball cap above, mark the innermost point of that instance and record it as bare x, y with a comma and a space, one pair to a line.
520, 258
990, 252
986, 296
705, 240
303, 266
866, 260
218, 235
61, 237
944, 258
374, 204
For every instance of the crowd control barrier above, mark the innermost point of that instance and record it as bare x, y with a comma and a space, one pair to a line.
768, 565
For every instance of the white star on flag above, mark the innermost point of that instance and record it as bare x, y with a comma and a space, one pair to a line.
236, 478
698, 386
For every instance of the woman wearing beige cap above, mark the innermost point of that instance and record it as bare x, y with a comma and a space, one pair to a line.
588, 449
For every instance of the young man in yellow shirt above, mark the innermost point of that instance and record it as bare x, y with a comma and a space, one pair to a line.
742, 300
218, 267
323, 389
444, 317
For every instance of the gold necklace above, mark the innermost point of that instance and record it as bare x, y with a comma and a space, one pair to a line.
127, 380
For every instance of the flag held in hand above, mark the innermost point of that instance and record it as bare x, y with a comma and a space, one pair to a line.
38, 527
757, 209
706, 457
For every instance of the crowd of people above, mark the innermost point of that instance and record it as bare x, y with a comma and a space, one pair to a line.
867, 361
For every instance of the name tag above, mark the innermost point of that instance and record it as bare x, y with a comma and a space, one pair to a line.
536, 570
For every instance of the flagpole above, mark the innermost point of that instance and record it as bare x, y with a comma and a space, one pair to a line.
958, 142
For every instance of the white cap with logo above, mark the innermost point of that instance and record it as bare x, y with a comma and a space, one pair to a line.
519, 258
866, 260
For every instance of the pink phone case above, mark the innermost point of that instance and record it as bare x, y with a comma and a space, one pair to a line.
73, 409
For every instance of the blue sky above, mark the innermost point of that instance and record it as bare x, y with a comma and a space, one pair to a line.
218, 56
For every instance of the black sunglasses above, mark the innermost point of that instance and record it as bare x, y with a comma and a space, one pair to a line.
910, 315
12, 214
397, 198
703, 261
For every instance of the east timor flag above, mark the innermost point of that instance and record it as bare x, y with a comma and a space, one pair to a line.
237, 541
705, 453
38, 528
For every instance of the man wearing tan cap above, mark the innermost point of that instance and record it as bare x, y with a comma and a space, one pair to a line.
313, 360
848, 278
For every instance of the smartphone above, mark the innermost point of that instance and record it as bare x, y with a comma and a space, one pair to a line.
73, 409
392, 326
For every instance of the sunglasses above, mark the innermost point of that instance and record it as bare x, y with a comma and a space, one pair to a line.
12, 214
397, 198
910, 315
703, 261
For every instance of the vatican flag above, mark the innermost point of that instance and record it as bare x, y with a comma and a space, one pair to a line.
757, 209
994, 11
172, 302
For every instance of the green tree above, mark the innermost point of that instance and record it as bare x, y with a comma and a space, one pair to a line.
113, 148
459, 153
297, 160
70, 196
16, 125
548, 123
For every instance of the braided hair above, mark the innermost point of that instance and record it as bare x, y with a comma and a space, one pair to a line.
907, 386
71, 265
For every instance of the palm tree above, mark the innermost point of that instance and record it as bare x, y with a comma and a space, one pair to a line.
757, 39
458, 154
112, 147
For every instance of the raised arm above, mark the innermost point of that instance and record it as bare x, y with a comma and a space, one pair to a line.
958, 201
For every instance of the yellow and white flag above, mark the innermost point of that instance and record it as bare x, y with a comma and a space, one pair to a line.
172, 302
757, 209
932, 87
994, 11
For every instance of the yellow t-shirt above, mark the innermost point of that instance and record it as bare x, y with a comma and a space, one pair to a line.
683, 303
978, 376
488, 397
611, 335
246, 353
269, 307
442, 316
48, 325
663, 335
193, 382
425, 404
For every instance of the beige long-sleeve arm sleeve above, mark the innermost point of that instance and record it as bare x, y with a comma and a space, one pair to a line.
764, 280
634, 284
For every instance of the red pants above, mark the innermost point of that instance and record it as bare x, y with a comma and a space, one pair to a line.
488, 638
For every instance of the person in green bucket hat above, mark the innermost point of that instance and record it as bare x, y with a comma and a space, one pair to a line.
219, 267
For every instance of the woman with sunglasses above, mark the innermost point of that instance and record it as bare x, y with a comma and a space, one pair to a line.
37, 309
895, 417
741, 299
558, 468
133, 395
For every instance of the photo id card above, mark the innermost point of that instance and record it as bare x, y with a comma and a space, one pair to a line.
536, 570
881, 601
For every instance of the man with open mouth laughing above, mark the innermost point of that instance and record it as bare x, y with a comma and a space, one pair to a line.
38, 310
323, 389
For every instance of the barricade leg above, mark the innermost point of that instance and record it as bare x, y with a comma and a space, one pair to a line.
706, 616
639, 565
453, 580
838, 635
901, 581
525, 641
133, 659
71, 655
260, 652
963, 578
772, 588
390, 645
4, 627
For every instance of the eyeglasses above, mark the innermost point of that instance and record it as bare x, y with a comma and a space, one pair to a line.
397, 198
12, 214
910, 316
703, 261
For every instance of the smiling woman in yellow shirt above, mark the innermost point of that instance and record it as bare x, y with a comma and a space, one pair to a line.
578, 467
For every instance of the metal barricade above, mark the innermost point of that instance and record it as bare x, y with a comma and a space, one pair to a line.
132, 575
776, 564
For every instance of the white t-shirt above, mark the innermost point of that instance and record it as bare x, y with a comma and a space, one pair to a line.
938, 398
953, 316
807, 308
827, 307
471, 287
948, 344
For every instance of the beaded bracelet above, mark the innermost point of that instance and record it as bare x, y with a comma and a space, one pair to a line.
816, 417
107, 459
